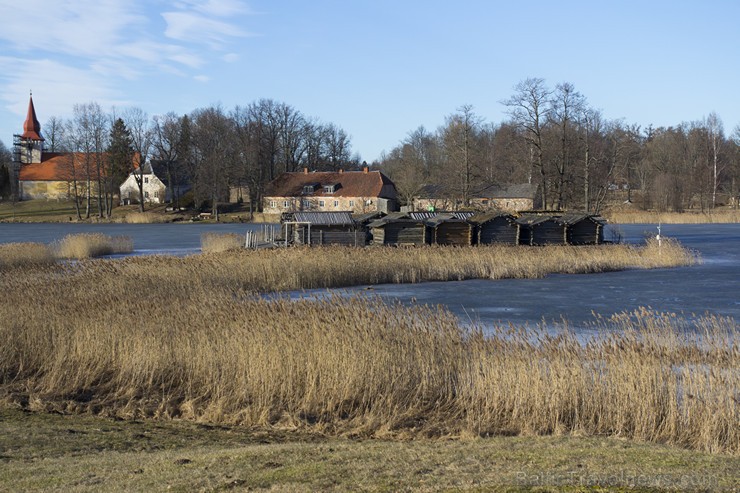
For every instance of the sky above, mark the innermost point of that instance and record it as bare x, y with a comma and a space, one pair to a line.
378, 69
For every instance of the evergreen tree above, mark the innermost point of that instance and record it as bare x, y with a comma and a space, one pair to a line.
121, 158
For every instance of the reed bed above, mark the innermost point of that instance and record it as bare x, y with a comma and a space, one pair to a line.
220, 242
24, 255
207, 349
208, 346
89, 245
79, 246
648, 217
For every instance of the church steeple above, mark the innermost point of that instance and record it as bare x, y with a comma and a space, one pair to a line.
28, 147
31, 127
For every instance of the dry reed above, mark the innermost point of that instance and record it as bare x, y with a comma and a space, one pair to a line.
88, 245
648, 217
24, 255
207, 348
220, 242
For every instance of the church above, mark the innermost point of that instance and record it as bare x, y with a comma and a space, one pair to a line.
49, 175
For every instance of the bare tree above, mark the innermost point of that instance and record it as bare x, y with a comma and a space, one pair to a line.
87, 136
54, 134
6, 171
215, 153
459, 137
169, 133
139, 126
716, 139
528, 110
566, 105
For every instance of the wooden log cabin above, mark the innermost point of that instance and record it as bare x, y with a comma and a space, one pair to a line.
447, 229
541, 229
398, 229
583, 229
560, 229
495, 228
323, 228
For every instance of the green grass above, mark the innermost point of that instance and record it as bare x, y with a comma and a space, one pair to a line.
38, 211
42, 452
55, 211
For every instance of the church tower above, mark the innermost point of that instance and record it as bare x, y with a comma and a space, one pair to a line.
29, 145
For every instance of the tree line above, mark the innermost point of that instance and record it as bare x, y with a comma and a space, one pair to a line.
553, 138
211, 148
577, 158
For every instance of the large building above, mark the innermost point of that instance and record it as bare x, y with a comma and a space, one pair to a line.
53, 175
353, 191
50, 175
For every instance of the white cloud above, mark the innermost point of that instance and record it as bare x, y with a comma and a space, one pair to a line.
93, 50
219, 8
192, 27
190, 60
56, 87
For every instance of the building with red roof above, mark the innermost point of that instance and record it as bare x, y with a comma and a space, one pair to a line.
52, 175
353, 191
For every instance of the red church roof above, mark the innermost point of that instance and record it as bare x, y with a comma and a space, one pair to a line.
31, 127
58, 166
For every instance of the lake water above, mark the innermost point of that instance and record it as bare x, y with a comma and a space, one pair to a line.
713, 286
165, 239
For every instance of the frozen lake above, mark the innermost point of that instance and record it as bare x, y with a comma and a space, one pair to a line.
713, 286
167, 239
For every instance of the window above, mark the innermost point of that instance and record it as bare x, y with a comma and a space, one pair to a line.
286, 204
310, 188
321, 203
336, 203
332, 187
351, 203
306, 203
146, 179
146, 195
273, 204
156, 194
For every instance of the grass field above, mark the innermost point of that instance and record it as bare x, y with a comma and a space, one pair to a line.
52, 452
56, 211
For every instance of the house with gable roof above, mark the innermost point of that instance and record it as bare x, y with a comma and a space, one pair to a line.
358, 192
52, 175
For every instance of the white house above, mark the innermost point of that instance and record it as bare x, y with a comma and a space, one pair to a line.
156, 189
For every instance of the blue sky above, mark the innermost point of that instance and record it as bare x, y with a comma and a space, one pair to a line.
377, 68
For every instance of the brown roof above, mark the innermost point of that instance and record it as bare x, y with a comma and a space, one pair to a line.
351, 184
31, 127
57, 166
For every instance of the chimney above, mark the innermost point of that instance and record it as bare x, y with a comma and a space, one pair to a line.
365, 169
305, 171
